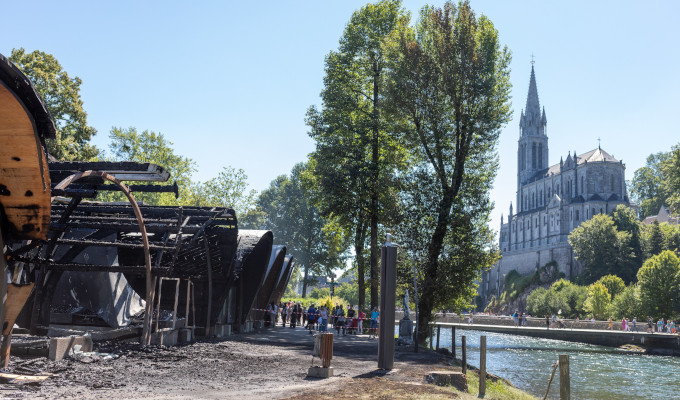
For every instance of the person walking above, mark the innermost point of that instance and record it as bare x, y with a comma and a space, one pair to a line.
360, 323
323, 315
374, 322
547, 322
340, 320
311, 318
659, 325
650, 325
351, 321
634, 324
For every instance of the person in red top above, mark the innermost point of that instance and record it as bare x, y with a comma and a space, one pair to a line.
360, 323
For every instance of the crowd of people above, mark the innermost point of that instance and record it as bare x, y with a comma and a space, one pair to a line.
346, 322
661, 325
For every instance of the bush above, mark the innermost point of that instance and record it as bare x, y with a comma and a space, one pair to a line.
627, 304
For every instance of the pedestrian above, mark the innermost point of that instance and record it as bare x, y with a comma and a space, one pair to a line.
311, 318
634, 324
659, 325
340, 320
650, 325
351, 321
293, 315
623, 324
547, 322
360, 324
610, 326
374, 322
323, 315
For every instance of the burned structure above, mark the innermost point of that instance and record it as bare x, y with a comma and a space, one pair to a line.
52, 224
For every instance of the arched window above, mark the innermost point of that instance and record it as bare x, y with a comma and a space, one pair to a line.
540, 155
583, 188
611, 182
533, 155
577, 216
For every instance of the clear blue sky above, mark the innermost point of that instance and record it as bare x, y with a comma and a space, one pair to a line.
229, 83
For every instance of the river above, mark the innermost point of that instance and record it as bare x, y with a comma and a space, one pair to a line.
596, 371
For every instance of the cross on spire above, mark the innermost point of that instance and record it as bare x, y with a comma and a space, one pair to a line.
532, 58
598, 142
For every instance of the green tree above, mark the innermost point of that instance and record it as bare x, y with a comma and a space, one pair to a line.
355, 154
598, 301
601, 249
151, 147
61, 94
613, 283
671, 172
627, 303
318, 244
625, 220
230, 189
452, 88
659, 283
653, 240
648, 187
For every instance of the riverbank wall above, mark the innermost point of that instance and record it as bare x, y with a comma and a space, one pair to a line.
655, 343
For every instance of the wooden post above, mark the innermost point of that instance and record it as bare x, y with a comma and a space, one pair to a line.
158, 310
439, 328
482, 365
193, 309
3, 300
209, 319
186, 313
174, 309
464, 353
431, 337
453, 341
565, 384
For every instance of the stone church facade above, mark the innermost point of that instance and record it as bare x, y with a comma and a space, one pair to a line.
551, 200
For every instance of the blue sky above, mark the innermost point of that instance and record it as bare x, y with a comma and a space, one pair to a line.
229, 83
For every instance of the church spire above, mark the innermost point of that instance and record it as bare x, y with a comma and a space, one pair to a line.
533, 108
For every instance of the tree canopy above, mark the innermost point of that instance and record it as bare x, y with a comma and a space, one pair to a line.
61, 94
356, 155
286, 209
602, 249
451, 85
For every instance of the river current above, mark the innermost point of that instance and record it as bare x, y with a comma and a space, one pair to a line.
596, 372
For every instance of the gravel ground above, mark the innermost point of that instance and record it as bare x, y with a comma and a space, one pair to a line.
268, 364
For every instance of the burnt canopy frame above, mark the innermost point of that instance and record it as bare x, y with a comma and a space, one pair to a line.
145, 239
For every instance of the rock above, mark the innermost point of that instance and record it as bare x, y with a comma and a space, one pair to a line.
448, 378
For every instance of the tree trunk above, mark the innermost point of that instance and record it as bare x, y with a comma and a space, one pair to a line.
428, 288
304, 282
375, 159
359, 241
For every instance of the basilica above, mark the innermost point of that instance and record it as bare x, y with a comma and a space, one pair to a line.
551, 200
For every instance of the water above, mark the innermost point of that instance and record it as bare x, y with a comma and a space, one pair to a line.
596, 371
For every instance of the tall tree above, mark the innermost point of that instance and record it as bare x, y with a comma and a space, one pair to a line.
148, 146
355, 152
452, 85
648, 187
625, 220
659, 285
61, 94
318, 244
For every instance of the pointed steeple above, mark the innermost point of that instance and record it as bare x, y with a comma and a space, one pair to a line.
533, 106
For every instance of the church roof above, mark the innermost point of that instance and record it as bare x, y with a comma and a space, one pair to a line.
595, 197
596, 155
